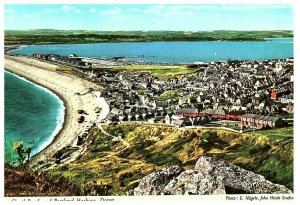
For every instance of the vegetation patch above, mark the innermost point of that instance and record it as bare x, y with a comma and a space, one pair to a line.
19, 181
159, 71
277, 134
170, 94
112, 168
41, 36
141, 91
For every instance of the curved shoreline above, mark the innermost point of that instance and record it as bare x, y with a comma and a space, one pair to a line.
63, 86
64, 108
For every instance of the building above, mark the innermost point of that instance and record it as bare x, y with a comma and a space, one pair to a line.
260, 121
286, 99
182, 122
188, 112
201, 120
274, 95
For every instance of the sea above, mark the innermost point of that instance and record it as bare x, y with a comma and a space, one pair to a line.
34, 115
173, 52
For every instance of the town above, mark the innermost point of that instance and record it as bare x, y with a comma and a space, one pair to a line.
238, 95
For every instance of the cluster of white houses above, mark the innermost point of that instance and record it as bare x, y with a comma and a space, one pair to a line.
180, 121
219, 92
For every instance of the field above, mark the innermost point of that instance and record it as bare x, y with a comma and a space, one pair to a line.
158, 70
119, 166
41, 36
277, 134
170, 94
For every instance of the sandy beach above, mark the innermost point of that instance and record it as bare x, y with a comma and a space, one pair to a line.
65, 86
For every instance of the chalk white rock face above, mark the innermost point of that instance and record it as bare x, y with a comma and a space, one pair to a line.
191, 182
239, 178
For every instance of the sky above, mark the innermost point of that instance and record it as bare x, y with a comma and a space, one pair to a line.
117, 17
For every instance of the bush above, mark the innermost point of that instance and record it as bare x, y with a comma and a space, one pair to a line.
209, 137
190, 150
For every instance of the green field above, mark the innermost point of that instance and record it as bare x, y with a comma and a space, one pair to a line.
277, 134
167, 95
50, 36
151, 147
159, 70
141, 91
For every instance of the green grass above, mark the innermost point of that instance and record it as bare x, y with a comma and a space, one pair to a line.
278, 133
283, 171
141, 91
152, 147
170, 94
41, 36
159, 71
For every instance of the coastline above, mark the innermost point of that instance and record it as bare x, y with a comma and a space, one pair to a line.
61, 114
63, 86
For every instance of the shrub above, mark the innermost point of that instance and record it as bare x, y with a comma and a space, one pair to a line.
209, 137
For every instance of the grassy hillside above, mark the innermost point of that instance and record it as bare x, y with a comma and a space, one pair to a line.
41, 36
119, 165
22, 182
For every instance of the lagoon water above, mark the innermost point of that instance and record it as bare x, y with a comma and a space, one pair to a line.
35, 114
182, 52
32, 114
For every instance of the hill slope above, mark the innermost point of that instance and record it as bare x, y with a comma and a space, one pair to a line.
22, 182
144, 149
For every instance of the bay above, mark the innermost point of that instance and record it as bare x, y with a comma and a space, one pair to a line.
174, 52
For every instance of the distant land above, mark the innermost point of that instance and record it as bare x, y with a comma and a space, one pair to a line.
42, 36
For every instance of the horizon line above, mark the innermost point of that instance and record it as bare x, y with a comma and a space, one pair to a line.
142, 30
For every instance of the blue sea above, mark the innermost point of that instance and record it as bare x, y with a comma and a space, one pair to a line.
32, 114
181, 52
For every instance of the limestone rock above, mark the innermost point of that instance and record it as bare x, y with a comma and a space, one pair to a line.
210, 176
191, 182
153, 183
239, 178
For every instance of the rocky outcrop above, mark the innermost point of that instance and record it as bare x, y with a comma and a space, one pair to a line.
239, 178
210, 176
191, 182
154, 183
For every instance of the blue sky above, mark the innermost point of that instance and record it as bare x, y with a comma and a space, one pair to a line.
118, 17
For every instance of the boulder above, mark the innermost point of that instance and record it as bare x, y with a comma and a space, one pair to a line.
191, 182
239, 178
210, 176
153, 183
